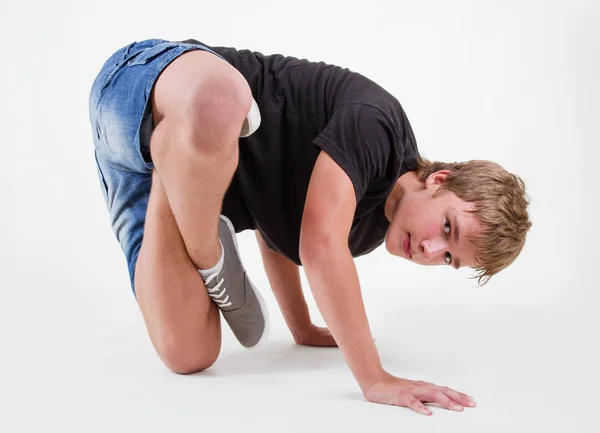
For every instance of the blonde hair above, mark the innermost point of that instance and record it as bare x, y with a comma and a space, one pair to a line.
500, 204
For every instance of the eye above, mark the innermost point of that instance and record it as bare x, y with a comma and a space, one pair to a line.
448, 258
447, 255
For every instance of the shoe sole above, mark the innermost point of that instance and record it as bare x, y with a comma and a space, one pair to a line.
261, 301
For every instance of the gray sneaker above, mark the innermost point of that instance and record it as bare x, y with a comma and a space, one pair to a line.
241, 304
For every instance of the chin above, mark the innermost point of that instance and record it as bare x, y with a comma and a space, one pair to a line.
387, 247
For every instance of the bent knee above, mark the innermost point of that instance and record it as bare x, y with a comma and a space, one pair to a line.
219, 101
181, 359
206, 97
215, 113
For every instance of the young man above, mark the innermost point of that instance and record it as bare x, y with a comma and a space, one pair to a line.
194, 144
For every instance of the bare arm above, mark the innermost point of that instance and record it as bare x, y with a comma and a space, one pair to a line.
284, 278
330, 268
326, 222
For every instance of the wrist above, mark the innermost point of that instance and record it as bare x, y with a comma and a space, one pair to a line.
300, 327
367, 382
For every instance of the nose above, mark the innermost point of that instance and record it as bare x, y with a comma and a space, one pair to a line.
432, 248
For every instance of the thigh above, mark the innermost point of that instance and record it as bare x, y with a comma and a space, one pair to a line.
182, 321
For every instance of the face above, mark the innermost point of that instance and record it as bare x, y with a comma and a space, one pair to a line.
429, 228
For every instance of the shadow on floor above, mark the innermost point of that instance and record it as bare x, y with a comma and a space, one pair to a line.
275, 358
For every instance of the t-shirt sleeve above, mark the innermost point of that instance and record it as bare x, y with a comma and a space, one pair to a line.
359, 139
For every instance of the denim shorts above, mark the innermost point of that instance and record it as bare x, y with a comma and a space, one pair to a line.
121, 120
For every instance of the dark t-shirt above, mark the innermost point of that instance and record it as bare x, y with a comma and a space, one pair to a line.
307, 107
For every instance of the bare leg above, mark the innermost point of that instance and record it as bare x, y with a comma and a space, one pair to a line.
182, 321
200, 104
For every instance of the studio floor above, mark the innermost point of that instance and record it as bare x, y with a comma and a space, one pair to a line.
91, 367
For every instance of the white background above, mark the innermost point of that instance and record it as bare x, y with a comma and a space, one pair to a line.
513, 81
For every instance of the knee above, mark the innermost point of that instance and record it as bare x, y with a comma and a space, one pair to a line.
214, 112
184, 358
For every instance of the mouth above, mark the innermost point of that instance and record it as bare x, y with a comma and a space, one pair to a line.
406, 246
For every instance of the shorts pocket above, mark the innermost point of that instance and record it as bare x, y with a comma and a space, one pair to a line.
150, 54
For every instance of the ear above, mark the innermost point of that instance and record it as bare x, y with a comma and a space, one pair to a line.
436, 179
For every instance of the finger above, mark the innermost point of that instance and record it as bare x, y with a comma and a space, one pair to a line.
321, 339
417, 406
326, 339
329, 341
458, 397
440, 398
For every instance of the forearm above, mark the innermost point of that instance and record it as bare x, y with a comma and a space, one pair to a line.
284, 278
334, 281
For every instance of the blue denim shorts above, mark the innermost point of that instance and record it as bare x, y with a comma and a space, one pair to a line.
121, 120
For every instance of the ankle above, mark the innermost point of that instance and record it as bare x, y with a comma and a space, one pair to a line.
217, 267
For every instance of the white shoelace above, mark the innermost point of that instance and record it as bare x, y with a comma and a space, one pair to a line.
218, 296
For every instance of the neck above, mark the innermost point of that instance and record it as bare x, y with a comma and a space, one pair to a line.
406, 184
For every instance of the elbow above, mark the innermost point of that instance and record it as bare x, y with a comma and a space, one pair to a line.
317, 249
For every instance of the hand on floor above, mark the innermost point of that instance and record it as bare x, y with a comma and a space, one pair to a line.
315, 336
412, 394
